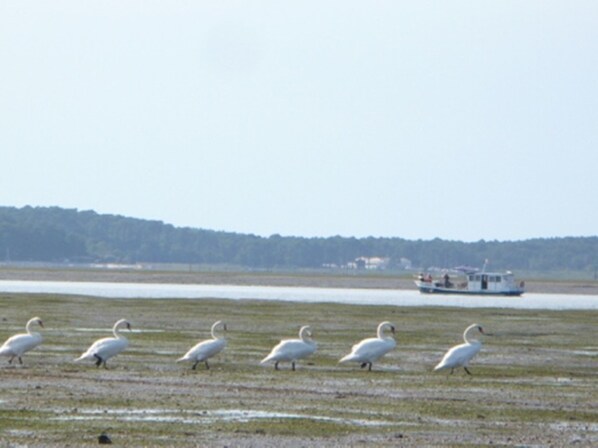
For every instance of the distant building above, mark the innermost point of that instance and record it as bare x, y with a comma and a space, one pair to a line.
369, 263
405, 263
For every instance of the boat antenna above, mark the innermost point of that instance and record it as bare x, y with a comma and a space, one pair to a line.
485, 264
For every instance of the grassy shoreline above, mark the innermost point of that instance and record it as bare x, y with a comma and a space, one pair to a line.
533, 383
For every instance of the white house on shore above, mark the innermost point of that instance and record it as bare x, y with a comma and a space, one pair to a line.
369, 263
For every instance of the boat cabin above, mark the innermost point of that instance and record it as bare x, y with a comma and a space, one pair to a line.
491, 282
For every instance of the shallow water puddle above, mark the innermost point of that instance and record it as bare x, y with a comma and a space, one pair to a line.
198, 417
591, 353
100, 330
585, 427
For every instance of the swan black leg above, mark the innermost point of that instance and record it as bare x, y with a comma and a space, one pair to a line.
99, 360
207, 365
452, 370
276, 365
20, 361
195, 365
293, 364
363, 365
10, 360
467, 370
370, 367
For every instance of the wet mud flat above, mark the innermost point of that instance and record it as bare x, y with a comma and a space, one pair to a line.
533, 383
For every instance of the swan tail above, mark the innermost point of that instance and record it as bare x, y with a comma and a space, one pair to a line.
266, 359
349, 357
84, 356
440, 366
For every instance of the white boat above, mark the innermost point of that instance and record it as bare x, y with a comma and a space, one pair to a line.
472, 283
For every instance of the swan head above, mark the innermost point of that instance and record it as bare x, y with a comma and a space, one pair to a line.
124, 323
474, 327
305, 331
477, 327
482, 331
34, 320
219, 322
386, 325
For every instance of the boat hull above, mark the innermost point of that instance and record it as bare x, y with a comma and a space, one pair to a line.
434, 289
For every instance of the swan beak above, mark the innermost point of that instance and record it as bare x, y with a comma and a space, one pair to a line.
128, 326
392, 329
225, 329
41, 324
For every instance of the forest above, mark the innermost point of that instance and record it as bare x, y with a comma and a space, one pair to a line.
54, 234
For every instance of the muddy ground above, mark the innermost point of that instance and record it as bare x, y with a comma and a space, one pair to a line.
533, 383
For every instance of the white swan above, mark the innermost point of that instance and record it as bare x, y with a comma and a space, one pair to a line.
104, 349
18, 344
292, 349
460, 355
369, 350
206, 349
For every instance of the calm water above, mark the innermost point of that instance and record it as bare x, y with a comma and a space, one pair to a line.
299, 294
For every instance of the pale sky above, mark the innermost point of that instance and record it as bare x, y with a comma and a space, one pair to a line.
462, 120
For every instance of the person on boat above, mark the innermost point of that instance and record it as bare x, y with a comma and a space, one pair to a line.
447, 281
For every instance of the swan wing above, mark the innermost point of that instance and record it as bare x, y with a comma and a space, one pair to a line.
290, 350
369, 350
204, 350
105, 348
458, 356
20, 343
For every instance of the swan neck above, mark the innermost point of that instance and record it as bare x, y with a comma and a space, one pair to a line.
30, 322
467, 330
213, 331
118, 335
116, 331
304, 335
380, 332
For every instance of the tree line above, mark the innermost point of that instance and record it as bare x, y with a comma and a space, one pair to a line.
54, 234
